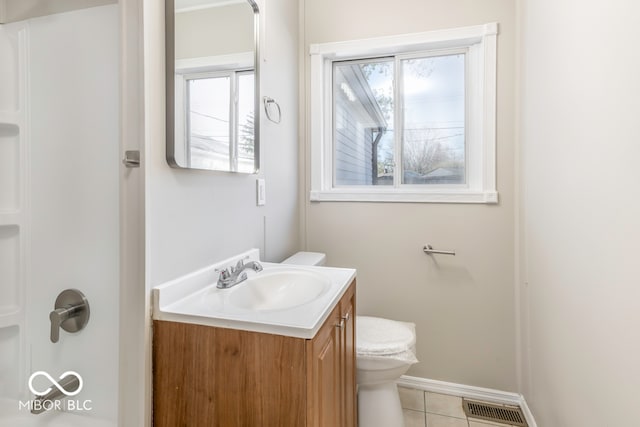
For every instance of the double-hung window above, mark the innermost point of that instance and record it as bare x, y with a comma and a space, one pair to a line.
408, 118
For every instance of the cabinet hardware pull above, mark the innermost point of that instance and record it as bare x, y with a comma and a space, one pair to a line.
341, 324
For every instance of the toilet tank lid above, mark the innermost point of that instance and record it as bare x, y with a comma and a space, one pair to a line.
378, 336
306, 258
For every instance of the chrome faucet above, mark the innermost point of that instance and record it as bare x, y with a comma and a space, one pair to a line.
231, 276
40, 404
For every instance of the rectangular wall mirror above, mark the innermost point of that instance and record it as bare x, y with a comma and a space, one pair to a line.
213, 85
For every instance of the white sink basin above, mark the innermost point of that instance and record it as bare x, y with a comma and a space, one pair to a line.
278, 289
282, 299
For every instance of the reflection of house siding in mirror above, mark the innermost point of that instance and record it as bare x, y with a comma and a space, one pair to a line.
214, 31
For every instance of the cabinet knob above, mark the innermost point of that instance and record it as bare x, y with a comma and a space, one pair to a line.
343, 320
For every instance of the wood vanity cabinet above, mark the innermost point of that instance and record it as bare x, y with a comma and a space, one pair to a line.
211, 376
331, 368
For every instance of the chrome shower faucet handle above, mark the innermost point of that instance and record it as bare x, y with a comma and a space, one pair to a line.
71, 313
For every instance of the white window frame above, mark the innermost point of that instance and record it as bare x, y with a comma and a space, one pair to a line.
480, 43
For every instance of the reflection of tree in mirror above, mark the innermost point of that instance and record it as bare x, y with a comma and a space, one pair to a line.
247, 134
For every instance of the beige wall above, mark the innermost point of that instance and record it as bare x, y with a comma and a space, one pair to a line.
581, 211
463, 306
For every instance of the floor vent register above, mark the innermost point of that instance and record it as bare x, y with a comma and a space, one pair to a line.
511, 415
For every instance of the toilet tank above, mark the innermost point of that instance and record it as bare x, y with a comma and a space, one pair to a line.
306, 258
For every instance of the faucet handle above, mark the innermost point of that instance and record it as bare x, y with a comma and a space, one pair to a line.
58, 316
240, 264
71, 313
224, 273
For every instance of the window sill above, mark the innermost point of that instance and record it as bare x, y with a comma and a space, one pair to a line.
406, 196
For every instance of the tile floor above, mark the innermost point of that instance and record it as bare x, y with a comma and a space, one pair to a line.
426, 409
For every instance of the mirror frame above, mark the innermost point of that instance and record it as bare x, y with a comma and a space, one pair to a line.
170, 60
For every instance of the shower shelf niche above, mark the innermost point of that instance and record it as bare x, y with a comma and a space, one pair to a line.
10, 316
10, 217
11, 169
9, 122
11, 275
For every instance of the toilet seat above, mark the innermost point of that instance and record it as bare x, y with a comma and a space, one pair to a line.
383, 337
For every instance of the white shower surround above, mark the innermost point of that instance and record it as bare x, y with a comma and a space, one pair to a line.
56, 230
13, 209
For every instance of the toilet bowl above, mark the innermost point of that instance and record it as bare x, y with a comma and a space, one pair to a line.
385, 349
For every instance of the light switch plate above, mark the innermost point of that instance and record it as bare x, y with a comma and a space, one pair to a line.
261, 196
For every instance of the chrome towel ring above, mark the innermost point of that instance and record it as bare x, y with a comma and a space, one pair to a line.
269, 110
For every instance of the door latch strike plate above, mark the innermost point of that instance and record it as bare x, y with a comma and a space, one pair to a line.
131, 159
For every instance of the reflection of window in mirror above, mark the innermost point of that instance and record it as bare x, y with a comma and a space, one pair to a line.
218, 114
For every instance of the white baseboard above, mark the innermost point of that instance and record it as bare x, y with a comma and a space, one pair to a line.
470, 392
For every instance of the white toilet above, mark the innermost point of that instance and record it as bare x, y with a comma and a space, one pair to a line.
306, 258
385, 349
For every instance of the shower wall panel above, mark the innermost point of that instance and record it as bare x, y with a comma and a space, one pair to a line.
74, 195
59, 208
13, 211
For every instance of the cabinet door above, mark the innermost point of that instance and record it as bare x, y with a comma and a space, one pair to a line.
205, 376
324, 386
348, 359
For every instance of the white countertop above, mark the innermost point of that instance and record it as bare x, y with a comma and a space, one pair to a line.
194, 298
